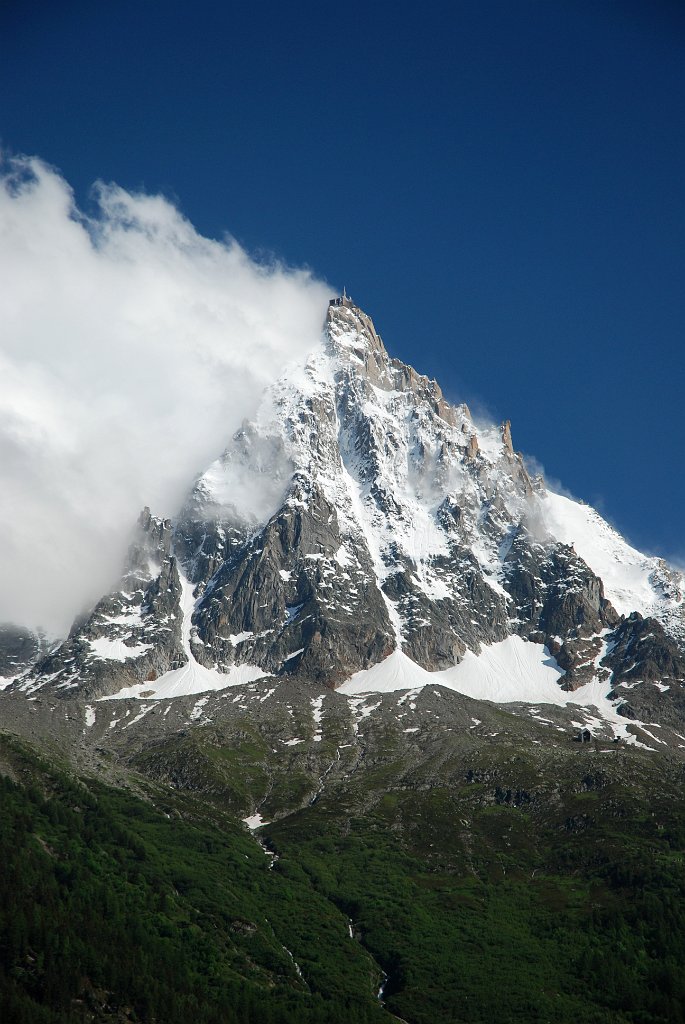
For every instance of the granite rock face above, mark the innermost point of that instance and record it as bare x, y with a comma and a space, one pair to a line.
560, 602
359, 512
648, 671
368, 548
132, 635
294, 600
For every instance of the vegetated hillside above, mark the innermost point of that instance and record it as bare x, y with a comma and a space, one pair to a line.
115, 909
537, 885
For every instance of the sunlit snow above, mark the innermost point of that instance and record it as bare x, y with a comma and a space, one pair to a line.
624, 571
511, 671
254, 821
116, 650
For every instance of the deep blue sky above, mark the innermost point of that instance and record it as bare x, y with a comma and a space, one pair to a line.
500, 184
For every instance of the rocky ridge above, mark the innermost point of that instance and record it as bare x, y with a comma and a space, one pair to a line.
360, 514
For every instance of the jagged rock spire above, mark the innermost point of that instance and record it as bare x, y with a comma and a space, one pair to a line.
385, 522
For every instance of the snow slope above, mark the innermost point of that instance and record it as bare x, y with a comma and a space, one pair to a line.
632, 581
624, 571
508, 671
511, 671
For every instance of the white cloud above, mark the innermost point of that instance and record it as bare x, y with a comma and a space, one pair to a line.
131, 348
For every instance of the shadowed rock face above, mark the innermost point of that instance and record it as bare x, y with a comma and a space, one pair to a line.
281, 594
559, 602
19, 649
554, 590
648, 672
357, 512
132, 634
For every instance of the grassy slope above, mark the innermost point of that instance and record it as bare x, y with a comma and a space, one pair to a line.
482, 900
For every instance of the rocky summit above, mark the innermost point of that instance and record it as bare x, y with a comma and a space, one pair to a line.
359, 520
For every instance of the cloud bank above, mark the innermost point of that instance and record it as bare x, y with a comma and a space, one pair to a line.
131, 348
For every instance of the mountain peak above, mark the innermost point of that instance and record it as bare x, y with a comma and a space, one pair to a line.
352, 337
361, 514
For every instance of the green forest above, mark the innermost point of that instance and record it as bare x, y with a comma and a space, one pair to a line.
156, 906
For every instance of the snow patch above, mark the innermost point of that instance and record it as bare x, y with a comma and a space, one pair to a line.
116, 650
239, 638
197, 710
254, 821
343, 557
293, 655
317, 714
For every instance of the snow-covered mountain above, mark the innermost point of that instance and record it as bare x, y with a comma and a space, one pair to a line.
361, 533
